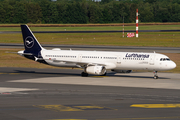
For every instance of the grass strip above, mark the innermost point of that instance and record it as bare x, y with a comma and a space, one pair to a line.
152, 39
108, 27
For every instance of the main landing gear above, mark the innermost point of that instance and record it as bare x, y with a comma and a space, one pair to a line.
83, 74
104, 74
155, 75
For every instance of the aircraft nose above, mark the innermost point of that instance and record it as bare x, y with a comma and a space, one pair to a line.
173, 65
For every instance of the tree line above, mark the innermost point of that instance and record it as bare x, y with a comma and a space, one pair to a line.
88, 11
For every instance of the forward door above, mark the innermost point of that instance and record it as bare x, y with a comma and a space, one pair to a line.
151, 60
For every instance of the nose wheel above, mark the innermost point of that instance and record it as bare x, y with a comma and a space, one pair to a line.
155, 75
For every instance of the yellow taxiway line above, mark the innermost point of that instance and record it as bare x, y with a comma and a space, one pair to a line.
67, 119
156, 105
82, 107
145, 118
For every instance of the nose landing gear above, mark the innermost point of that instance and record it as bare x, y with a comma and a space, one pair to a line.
155, 75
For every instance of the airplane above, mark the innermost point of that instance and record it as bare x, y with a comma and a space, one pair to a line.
93, 62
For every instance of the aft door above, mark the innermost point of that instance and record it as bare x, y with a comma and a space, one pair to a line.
118, 60
80, 57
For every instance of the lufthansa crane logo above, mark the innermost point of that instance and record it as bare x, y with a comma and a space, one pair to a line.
29, 42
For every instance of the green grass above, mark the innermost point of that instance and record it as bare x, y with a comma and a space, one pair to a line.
162, 39
158, 39
141, 27
14, 60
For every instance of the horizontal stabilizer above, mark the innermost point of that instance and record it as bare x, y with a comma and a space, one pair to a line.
22, 53
27, 54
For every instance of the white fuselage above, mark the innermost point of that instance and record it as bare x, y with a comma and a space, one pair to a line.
111, 60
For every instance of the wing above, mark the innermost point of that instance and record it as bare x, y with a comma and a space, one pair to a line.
107, 65
80, 64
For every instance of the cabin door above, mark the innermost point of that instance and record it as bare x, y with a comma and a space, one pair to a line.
80, 58
151, 59
118, 59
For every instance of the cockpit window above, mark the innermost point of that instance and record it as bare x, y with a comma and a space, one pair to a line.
165, 59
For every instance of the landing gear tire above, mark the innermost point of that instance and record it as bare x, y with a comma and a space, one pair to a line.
155, 75
104, 74
83, 74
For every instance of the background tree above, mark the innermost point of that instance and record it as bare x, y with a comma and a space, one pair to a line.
34, 13
8, 12
88, 11
146, 11
175, 12
2, 13
44, 4
20, 13
95, 13
132, 12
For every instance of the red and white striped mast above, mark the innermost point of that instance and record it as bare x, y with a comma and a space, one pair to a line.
137, 23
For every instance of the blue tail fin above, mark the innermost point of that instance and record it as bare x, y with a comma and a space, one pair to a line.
30, 42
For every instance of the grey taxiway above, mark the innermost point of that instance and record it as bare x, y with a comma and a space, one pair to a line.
62, 94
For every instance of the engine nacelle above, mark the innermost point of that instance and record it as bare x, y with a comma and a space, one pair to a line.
121, 71
97, 70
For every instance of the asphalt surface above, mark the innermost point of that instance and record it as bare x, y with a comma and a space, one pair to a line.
62, 94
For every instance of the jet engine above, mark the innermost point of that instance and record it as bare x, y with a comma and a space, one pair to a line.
97, 70
121, 71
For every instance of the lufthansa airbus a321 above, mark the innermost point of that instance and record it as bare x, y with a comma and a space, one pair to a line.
93, 62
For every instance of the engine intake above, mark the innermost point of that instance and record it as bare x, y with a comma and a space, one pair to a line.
97, 70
